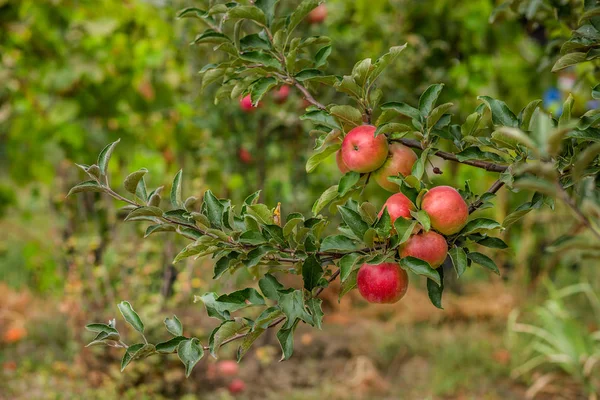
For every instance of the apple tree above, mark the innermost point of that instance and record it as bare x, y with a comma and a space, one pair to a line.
418, 229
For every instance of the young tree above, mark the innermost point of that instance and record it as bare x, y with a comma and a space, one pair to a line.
418, 229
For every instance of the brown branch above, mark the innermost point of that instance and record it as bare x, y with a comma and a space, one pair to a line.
493, 189
488, 166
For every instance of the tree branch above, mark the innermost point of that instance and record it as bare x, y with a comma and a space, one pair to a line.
493, 189
488, 166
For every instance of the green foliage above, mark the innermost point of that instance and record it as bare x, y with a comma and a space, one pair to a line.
261, 48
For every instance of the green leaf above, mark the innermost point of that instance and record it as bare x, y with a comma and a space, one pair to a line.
475, 153
261, 213
354, 221
260, 88
347, 264
321, 117
144, 212
87, 186
170, 346
402, 108
249, 339
514, 136
420, 267
360, 71
596, 92
337, 243
130, 354
131, 316
423, 219
176, 199
526, 114
493, 243
348, 284
383, 61
190, 352
568, 60
214, 210
312, 271
211, 36
393, 128
270, 286
384, 224
286, 340
515, 216
478, 225
437, 113
459, 260
404, 228
254, 42
174, 326
349, 86
300, 13
132, 180
585, 158
222, 306
326, 197
226, 330
434, 290
347, 114
314, 306
100, 328
289, 226
322, 55
501, 114
105, 155
267, 317
484, 261
291, 303
268, 8
347, 182
248, 12
318, 158
261, 57
429, 98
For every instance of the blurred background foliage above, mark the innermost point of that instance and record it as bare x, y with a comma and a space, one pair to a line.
78, 74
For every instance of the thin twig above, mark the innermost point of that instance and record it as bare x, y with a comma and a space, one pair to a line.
493, 189
488, 166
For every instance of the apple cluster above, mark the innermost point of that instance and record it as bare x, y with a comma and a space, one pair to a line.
364, 152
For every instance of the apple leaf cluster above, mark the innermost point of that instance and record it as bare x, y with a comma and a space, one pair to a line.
529, 150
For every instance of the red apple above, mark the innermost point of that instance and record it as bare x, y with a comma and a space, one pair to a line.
362, 151
400, 161
426, 246
317, 15
446, 208
245, 156
282, 94
236, 386
398, 205
246, 104
384, 283
340, 162
227, 368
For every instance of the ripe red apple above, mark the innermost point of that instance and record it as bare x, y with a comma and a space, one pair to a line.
245, 155
227, 368
246, 104
282, 94
236, 386
427, 246
446, 208
340, 162
400, 161
383, 283
317, 15
398, 205
362, 151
